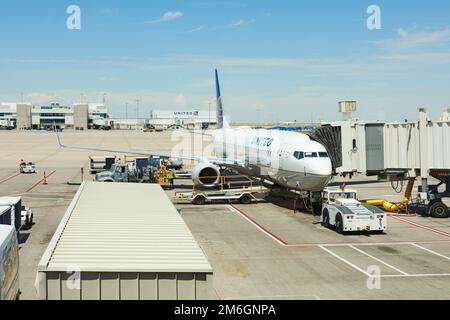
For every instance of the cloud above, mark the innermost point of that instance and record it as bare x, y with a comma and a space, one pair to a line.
409, 40
106, 79
168, 16
241, 23
203, 84
419, 57
200, 28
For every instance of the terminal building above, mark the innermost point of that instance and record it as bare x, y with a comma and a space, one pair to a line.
184, 118
80, 116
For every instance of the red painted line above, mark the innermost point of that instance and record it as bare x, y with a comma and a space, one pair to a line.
259, 226
284, 243
40, 181
12, 177
440, 232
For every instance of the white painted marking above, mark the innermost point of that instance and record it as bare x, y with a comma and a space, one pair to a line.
431, 251
346, 261
379, 260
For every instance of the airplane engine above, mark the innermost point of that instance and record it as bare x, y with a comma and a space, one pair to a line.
206, 174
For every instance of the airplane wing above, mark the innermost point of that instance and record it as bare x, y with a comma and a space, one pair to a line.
199, 158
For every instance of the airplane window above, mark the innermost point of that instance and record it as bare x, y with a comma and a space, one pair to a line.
323, 155
299, 155
310, 154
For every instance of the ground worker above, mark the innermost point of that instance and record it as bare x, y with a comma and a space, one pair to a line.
22, 163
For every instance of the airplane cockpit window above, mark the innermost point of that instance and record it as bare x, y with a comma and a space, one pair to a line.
323, 155
310, 154
299, 155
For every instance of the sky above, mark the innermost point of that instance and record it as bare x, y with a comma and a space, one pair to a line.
278, 60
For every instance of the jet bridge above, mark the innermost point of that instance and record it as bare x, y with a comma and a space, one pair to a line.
397, 150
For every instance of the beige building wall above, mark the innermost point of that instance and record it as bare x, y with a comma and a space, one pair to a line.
23, 116
81, 116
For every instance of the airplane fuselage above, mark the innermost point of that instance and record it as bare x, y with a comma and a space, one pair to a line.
289, 159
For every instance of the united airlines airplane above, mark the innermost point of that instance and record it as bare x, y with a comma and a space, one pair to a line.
287, 159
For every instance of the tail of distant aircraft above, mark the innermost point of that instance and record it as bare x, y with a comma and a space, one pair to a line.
221, 121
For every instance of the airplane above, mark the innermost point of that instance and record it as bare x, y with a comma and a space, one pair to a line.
287, 159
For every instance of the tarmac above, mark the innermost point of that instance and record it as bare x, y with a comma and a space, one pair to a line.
263, 250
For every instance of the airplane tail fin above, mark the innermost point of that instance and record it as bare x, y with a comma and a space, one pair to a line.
221, 121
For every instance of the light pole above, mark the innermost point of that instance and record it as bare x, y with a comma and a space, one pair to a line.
137, 114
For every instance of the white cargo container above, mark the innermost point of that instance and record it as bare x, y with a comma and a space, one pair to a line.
15, 203
123, 241
9, 263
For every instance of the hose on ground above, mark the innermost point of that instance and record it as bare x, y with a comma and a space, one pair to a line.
394, 207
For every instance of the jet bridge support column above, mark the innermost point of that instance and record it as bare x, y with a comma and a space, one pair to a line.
423, 133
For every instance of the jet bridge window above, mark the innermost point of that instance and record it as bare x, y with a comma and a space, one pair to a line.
299, 155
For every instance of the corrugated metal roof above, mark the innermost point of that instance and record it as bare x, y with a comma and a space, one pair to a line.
9, 201
3, 209
122, 227
5, 232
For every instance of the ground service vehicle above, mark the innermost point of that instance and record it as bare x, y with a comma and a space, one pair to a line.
27, 217
9, 264
29, 167
231, 189
123, 173
341, 209
101, 163
14, 216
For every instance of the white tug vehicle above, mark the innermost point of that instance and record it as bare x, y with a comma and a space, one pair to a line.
342, 210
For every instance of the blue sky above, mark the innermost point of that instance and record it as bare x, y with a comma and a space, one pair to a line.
278, 61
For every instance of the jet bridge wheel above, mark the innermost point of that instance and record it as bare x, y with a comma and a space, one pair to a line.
438, 210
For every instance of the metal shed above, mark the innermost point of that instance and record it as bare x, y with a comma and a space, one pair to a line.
121, 241
15, 203
5, 215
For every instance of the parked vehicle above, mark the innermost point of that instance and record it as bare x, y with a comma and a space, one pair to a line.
124, 173
29, 167
9, 264
101, 163
342, 210
26, 217
14, 217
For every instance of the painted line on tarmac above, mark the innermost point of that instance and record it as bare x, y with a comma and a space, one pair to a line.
344, 260
261, 228
10, 178
282, 242
40, 181
403, 275
379, 260
440, 232
430, 251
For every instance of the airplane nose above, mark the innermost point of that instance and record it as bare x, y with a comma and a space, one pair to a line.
321, 167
